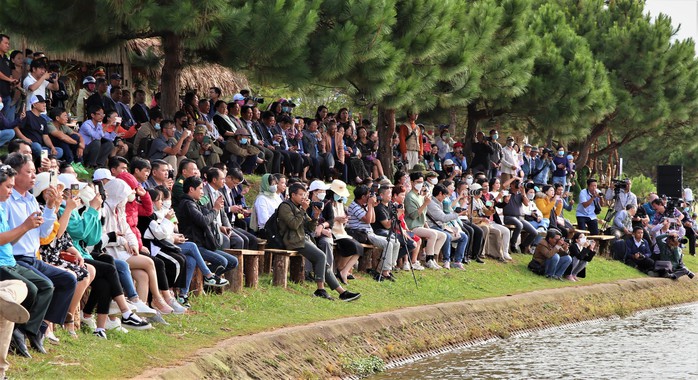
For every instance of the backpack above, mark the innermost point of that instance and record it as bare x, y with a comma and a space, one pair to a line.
144, 146
272, 232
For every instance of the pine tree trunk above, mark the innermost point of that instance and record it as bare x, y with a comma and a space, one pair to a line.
386, 128
585, 148
453, 121
471, 130
171, 70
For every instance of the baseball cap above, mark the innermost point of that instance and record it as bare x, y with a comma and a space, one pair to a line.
458, 145
36, 99
101, 174
200, 130
318, 185
238, 97
448, 162
115, 76
68, 180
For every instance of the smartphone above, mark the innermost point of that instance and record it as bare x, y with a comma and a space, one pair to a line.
170, 174
207, 140
44, 154
117, 120
74, 190
53, 178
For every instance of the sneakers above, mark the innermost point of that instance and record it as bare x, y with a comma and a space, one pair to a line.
143, 310
406, 266
115, 325
157, 318
447, 265
89, 322
115, 311
79, 169
431, 264
176, 307
184, 301
348, 296
101, 334
417, 265
322, 293
457, 266
134, 322
215, 281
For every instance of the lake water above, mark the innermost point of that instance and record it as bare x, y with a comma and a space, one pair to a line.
656, 344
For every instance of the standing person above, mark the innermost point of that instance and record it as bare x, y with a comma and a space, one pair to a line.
411, 146
293, 222
21, 205
496, 156
7, 82
552, 255
510, 161
586, 215
37, 81
561, 166
416, 203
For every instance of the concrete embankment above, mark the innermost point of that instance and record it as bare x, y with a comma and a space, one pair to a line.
339, 348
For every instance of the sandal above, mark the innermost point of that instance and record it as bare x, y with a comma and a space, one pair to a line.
69, 325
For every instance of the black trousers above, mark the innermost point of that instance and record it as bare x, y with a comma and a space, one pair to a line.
476, 244
104, 287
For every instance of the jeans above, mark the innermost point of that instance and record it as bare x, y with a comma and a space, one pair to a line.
63, 287
586, 223
221, 262
37, 148
9, 110
460, 248
521, 225
561, 180
6, 135
124, 278
557, 265
194, 260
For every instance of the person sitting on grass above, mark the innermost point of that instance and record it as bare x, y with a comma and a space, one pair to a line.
552, 256
669, 250
293, 222
637, 251
581, 251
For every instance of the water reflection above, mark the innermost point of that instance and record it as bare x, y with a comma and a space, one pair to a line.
657, 344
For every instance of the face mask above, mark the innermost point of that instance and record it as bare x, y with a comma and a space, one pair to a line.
272, 189
495, 136
433, 181
446, 136
285, 109
469, 180
560, 153
510, 143
2, 105
582, 240
167, 204
418, 186
530, 196
131, 197
157, 126
320, 196
243, 141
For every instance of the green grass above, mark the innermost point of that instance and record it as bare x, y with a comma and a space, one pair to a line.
217, 317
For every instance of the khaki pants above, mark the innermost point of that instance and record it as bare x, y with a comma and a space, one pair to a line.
412, 158
12, 291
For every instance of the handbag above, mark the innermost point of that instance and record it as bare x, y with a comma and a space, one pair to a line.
597, 205
663, 267
536, 267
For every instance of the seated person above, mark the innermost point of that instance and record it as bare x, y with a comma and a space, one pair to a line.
99, 144
34, 129
623, 222
416, 202
581, 251
159, 174
243, 153
637, 251
266, 203
166, 148
202, 149
64, 136
551, 255
293, 222
669, 250
148, 131
447, 223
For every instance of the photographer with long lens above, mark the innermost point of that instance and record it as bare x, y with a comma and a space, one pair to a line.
619, 191
670, 251
513, 215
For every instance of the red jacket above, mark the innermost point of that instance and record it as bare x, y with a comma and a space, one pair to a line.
144, 207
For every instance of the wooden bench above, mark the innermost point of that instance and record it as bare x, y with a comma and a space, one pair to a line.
235, 276
370, 258
284, 261
197, 283
249, 266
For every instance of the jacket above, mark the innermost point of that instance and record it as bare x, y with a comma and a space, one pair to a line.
293, 222
199, 219
544, 251
134, 209
117, 232
338, 143
406, 132
436, 216
85, 228
247, 150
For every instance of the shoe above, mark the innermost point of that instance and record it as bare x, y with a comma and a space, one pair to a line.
12, 310
135, 323
18, 344
53, 339
570, 278
114, 325
417, 265
36, 341
339, 277
513, 249
406, 266
176, 307
691, 275
143, 310
457, 266
447, 265
431, 264
115, 311
390, 277
215, 281
101, 334
350, 277
348, 296
164, 308
184, 301
157, 318
79, 168
89, 322
479, 260
322, 293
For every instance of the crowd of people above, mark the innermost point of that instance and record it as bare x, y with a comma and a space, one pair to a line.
119, 235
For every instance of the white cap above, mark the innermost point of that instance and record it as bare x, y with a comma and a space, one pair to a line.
87, 194
43, 181
238, 97
318, 185
448, 161
101, 174
69, 180
475, 187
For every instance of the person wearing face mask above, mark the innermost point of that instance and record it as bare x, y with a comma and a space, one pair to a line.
147, 132
447, 223
266, 203
431, 179
561, 165
243, 153
581, 251
510, 161
416, 203
445, 143
495, 159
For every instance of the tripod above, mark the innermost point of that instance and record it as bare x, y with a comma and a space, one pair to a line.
394, 225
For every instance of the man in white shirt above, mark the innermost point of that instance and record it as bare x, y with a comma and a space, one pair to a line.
37, 81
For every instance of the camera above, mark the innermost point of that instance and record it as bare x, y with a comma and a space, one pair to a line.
316, 204
475, 192
671, 205
458, 210
256, 99
619, 184
170, 174
548, 151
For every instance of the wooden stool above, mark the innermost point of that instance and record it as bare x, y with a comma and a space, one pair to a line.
280, 263
197, 283
235, 276
250, 263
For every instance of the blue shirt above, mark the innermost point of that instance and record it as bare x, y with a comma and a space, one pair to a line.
6, 258
18, 210
460, 162
588, 211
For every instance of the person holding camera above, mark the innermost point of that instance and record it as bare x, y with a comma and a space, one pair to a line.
513, 215
551, 256
620, 191
581, 251
669, 250
37, 81
587, 208
623, 222
361, 215
416, 203
294, 219
498, 237
544, 165
166, 148
637, 251
447, 223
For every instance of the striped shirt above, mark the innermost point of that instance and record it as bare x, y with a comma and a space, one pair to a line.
356, 212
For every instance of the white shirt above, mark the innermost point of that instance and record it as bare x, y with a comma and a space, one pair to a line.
28, 81
264, 206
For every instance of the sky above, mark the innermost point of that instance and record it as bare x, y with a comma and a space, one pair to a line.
683, 13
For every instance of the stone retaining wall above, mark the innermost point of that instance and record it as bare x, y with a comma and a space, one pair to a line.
334, 349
